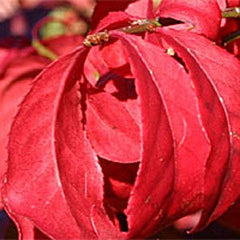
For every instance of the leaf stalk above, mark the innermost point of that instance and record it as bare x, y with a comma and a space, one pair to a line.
43, 51
139, 26
231, 12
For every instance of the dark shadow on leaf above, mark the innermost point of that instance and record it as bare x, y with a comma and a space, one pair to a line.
118, 181
125, 86
168, 21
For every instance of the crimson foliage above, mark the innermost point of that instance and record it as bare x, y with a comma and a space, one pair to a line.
121, 140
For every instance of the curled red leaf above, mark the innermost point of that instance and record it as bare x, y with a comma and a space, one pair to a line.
204, 16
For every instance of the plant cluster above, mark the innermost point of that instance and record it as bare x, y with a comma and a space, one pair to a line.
122, 130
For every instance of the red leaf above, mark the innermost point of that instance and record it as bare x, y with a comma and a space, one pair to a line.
32, 188
14, 84
64, 44
79, 170
112, 131
137, 8
65, 123
233, 3
156, 159
114, 55
118, 182
221, 75
106, 63
141, 9
112, 15
32, 156
95, 67
9, 54
171, 85
20, 66
222, 4
104, 7
214, 121
113, 114
112, 117
204, 15
113, 20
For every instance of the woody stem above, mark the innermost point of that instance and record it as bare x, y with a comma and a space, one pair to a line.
231, 12
145, 25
